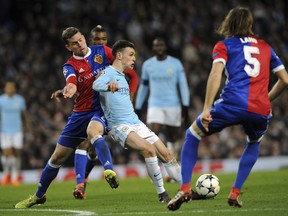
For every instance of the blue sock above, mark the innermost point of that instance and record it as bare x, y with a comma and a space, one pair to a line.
103, 153
189, 156
80, 161
49, 173
247, 161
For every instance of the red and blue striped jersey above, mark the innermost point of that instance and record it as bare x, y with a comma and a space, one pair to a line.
248, 62
82, 72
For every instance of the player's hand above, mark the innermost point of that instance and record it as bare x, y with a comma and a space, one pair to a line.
206, 118
70, 90
57, 95
113, 87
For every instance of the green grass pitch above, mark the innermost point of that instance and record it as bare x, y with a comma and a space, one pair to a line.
264, 193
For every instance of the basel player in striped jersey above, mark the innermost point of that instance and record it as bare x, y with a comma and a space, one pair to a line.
245, 99
87, 116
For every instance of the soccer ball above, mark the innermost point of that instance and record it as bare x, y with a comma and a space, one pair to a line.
207, 185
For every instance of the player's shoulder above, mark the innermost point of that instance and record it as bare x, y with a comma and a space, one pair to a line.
173, 58
150, 60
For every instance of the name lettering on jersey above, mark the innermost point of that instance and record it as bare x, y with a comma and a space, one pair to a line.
95, 72
248, 40
98, 59
86, 77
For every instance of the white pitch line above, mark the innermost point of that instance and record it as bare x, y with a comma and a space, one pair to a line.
74, 212
200, 211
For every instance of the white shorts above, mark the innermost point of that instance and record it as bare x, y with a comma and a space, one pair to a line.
12, 140
120, 132
165, 116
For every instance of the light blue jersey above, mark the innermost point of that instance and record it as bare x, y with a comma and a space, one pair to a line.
117, 106
11, 109
164, 79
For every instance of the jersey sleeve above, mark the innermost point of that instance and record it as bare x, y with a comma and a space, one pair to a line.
101, 83
69, 74
108, 52
219, 53
276, 64
133, 83
183, 86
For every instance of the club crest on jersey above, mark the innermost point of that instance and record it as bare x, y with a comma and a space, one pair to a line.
170, 71
124, 129
98, 58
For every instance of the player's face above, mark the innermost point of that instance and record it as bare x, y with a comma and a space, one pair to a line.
128, 58
159, 47
10, 89
77, 44
99, 38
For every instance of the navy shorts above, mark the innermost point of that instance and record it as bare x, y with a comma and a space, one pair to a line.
225, 115
75, 130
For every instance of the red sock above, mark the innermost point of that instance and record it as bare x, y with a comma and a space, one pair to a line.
186, 187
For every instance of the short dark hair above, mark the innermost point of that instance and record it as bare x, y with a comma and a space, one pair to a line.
121, 44
98, 28
68, 33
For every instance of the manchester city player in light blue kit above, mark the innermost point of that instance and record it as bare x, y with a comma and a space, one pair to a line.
124, 124
13, 118
163, 76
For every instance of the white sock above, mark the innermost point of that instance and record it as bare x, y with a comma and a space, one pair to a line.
15, 168
155, 174
174, 170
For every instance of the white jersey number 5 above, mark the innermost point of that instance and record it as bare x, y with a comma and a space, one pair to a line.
253, 70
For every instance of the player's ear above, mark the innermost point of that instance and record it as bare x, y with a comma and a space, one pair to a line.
119, 55
67, 47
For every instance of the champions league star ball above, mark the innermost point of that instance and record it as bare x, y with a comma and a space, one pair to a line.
207, 186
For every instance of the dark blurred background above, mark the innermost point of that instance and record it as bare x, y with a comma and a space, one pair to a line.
32, 53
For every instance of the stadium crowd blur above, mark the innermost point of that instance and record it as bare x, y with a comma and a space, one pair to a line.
32, 53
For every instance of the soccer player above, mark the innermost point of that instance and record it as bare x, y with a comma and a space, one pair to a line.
13, 120
98, 36
247, 61
124, 124
162, 76
87, 117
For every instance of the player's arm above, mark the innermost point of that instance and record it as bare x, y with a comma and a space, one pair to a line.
185, 93
108, 52
57, 95
26, 122
280, 85
103, 83
70, 88
213, 85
